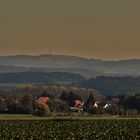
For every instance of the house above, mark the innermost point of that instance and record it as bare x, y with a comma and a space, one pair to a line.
78, 103
44, 99
78, 107
107, 105
96, 105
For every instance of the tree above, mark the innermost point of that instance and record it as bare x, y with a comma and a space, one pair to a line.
14, 104
28, 103
70, 98
45, 94
113, 110
64, 96
90, 102
132, 102
57, 105
3, 104
41, 109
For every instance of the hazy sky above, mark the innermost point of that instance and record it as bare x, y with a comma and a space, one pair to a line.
106, 29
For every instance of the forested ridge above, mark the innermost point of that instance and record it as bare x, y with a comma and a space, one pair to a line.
40, 77
106, 85
114, 85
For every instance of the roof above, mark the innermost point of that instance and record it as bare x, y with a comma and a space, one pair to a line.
44, 99
78, 103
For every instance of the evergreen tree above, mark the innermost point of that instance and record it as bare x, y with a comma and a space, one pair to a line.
28, 102
70, 98
90, 102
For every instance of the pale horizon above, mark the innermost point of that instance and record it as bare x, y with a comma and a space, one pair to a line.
107, 30
86, 57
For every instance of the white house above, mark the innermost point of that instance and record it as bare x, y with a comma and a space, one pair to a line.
107, 105
96, 104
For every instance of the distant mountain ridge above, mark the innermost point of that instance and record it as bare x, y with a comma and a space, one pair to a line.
40, 77
63, 63
114, 85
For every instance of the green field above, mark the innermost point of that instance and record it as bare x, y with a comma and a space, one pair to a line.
103, 129
74, 116
28, 127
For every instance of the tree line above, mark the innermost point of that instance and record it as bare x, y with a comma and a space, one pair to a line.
114, 85
105, 85
30, 104
42, 77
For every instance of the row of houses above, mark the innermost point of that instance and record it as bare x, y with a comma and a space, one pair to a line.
80, 105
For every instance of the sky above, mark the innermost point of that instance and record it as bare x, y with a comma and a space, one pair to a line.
100, 29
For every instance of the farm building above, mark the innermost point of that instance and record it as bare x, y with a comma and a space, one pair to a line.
44, 99
78, 107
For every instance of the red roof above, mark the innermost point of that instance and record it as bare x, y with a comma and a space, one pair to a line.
44, 99
78, 103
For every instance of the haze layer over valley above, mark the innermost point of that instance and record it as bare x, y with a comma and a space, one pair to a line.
73, 64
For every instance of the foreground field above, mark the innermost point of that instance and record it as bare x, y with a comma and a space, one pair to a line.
70, 129
61, 116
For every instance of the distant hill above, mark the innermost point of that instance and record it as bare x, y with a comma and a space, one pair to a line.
64, 63
105, 85
40, 77
13, 69
114, 85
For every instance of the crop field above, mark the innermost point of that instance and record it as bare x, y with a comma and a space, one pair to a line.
122, 129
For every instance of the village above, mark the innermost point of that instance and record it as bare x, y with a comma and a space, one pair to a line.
91, 106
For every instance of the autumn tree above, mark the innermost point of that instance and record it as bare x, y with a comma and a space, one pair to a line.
41, 109
57, 105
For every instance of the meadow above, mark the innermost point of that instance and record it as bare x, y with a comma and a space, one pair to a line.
70, 129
